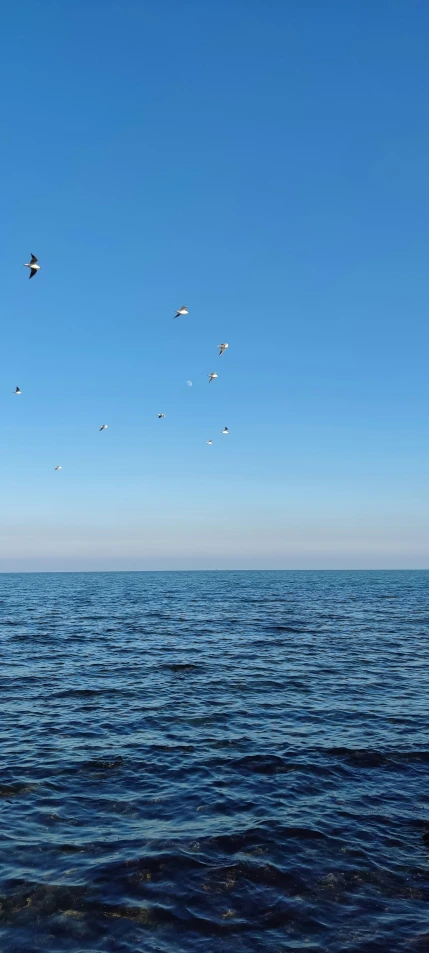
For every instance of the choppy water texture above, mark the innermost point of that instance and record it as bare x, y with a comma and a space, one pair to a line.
214, 762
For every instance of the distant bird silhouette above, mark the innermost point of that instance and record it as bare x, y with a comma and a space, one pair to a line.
223, 348
182, 311
32, 265
212, 377
160, 416
209, 442
17, 390
57, 468
104, 426
225, 430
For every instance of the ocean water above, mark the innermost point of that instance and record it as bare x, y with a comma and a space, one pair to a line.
214, 762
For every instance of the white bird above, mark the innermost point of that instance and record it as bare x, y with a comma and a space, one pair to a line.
225, 430
212, 377
209, 442
183, 310
223, 348
32, 265
57, 468
104, 426
17, 390
160, 416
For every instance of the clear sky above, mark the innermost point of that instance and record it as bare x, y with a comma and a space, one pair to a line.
265, 164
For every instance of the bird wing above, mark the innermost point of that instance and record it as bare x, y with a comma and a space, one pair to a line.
33, 271
33, 259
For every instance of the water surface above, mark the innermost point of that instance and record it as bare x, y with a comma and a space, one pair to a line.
214, 762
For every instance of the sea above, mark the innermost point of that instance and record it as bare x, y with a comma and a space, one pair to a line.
226, 762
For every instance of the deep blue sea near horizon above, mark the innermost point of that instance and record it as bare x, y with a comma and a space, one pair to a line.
214, 761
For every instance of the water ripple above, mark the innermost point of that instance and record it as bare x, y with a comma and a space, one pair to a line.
227, 760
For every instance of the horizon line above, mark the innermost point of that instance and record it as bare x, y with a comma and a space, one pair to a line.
71, 572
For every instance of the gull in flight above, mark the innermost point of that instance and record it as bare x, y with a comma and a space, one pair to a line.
32, 265
17, 390
212, 377
57, 468
104, 426
209, 442
160, 416
225, 430
222, 348
182, 311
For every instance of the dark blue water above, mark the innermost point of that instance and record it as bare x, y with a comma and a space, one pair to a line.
214, 762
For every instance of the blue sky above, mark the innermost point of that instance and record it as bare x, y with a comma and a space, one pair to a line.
266, 165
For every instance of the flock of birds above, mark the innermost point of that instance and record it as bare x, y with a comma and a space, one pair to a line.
34, 267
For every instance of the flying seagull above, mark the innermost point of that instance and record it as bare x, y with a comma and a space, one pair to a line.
17, 390
222, 348
32, 265
160, 416
225, 430
104, 426
209, 442
212, 377
57, 468
183, 310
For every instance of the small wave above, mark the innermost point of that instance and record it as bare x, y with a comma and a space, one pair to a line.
71, 848
181, 666
296, 630
372, 758
14, 790
33, 901
102, 764
87, 692
262, 764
